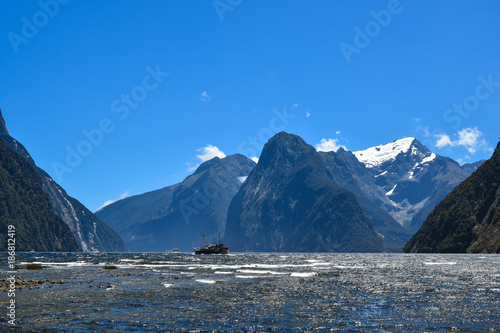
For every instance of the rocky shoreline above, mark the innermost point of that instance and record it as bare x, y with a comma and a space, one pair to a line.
24, 284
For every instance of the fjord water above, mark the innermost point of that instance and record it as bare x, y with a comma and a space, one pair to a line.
260, 292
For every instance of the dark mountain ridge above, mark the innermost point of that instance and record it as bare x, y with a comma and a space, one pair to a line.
468, 218
289, 203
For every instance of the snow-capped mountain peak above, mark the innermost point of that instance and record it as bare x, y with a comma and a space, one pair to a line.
378, 155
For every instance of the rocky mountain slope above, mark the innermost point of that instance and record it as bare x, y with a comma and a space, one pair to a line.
351, 174
290, 202
90, 232
26, 207
178, 215
409, 179
468, 219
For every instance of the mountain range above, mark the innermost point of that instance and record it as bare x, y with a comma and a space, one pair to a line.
396, 185
468, 219
178, 215
91, 234
294, 199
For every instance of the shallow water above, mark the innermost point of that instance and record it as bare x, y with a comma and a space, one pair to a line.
260, 292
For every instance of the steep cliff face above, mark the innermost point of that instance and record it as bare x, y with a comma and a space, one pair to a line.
178, 215
91, 233
25, 206
289, 202
351, 174
468, 219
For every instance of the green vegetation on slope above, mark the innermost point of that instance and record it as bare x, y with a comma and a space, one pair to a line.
25, 205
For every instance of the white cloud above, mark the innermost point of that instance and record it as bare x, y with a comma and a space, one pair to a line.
443, 140
255, 159
329, 145
425, 130
469, 138
206, 153
109, 202
338, 132
209, 152
308, 114
242, 179
205, 97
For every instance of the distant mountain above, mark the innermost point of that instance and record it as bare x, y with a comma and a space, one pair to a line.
351, 174
291, 203
90, 232
25, 206
468, 219
410, 179
471, 167
177, 216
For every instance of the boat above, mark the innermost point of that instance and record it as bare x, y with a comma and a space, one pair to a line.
218, 248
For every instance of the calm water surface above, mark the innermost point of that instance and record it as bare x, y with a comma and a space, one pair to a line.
259, 293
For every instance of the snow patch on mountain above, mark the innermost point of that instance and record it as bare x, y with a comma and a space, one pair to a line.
391, 191
378, 155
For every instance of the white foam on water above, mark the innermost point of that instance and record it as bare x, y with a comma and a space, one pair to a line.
320, 264
123, 266
347, 267
221, 272
309, 274
206, 281
131, 260
440, 263
60, 264
246, 276
168, 285
252, 271
151, 266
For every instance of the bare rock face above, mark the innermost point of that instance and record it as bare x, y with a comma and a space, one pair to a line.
3, 128
289, 203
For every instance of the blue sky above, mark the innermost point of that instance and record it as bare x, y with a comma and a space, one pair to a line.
119, 98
